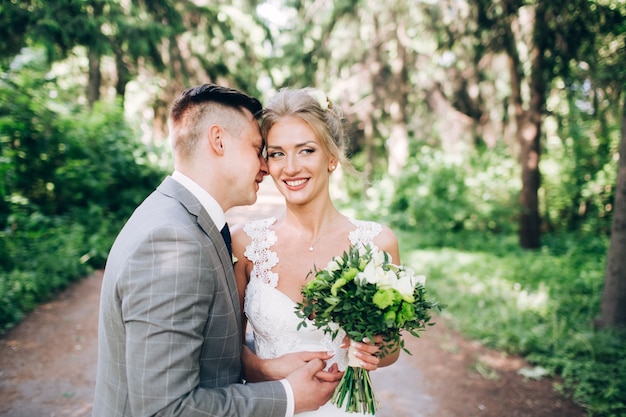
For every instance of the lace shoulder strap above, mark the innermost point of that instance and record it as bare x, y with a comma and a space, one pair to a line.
258, 250
365, 232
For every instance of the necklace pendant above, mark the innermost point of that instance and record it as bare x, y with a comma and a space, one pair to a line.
311, 248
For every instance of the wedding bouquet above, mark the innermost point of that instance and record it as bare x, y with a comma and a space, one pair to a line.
365, 295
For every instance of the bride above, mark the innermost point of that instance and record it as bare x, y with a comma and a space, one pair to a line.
305, 143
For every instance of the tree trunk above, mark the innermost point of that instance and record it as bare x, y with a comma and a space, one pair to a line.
529, 133
398, 142
95, 77
529, 136
613, 307
529, 123
123, 76
373, 65
368, 149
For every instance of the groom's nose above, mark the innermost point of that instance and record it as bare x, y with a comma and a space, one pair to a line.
265, 170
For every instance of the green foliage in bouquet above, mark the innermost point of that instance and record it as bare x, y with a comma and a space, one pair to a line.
365, 295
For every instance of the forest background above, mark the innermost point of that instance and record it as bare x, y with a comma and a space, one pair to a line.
489, 134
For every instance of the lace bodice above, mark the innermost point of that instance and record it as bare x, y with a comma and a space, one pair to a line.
271, 312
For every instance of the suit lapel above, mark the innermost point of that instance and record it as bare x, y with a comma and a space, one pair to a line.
174, 189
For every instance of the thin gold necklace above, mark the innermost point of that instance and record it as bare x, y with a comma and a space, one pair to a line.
311, 244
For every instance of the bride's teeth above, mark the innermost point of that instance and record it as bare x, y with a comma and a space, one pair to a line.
295, 183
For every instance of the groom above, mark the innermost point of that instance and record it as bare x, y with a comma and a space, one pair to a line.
170, 332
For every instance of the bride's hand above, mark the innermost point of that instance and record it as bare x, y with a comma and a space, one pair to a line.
368, 353
286, 364
257, 369
331, 374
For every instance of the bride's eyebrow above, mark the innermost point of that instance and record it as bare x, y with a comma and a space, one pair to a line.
297, 145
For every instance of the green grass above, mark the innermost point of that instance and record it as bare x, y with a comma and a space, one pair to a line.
538, 304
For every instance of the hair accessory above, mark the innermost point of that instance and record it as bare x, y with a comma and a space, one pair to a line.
320, 97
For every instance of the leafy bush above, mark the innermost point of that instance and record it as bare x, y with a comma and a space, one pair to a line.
107, 174
579, 165
105, 164
440, 195
59, 160
46, 255
70, 178
537, 304
593, 368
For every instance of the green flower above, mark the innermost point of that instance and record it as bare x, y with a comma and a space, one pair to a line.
337, 285
332, 301
386, 297
349, 274
406, 313
390, 318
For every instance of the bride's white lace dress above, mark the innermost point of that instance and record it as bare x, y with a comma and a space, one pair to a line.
272, 314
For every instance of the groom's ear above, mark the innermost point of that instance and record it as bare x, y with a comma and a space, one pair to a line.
216, 139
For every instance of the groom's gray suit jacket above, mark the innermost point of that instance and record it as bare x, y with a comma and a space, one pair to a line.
170, 331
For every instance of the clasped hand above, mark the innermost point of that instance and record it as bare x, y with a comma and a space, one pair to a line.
257, 369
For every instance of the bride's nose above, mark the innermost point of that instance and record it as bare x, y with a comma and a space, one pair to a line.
291, 164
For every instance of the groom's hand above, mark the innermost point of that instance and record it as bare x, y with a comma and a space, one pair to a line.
257, 369
309, 391
331, 374
286, 364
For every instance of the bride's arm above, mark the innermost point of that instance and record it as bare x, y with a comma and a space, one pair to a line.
242, 267
388, 241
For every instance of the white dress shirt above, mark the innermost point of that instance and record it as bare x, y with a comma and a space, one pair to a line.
208, 202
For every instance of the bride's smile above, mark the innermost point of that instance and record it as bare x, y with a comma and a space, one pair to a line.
295, 184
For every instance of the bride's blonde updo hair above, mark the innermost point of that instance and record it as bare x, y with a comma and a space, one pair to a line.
315, 109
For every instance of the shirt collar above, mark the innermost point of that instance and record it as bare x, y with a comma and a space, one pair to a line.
208, 202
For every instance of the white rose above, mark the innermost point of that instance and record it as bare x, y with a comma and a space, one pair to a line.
371, 274
332, 266
405, 285
421, 279
378, 257
389, 281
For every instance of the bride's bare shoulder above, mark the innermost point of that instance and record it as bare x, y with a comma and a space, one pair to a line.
388, 241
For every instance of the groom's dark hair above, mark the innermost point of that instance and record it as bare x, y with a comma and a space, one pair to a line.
204, 93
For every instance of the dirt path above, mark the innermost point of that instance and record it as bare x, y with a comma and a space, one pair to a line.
48, 364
